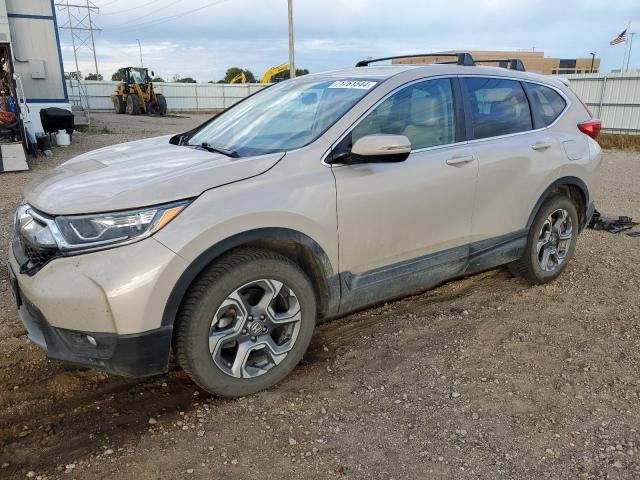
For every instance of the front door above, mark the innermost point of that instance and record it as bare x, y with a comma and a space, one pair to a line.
405, 226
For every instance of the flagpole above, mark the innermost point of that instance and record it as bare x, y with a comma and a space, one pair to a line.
630, 47
626, 44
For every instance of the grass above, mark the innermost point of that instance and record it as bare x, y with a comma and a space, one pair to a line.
93, 130
619, 141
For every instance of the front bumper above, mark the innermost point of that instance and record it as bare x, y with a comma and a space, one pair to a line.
102, 309
136, 355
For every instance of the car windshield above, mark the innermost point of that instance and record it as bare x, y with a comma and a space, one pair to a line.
283, 117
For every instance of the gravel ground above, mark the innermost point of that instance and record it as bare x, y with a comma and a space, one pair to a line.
486, 377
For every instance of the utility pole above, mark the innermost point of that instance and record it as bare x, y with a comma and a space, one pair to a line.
81, 27
292, 63
140, 48
593, 58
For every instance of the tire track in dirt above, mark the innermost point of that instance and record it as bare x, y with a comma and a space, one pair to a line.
56, 419
345, 331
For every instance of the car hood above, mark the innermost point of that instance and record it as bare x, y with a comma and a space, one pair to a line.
138, 174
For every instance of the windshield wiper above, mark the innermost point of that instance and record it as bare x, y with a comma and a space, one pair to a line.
224, 151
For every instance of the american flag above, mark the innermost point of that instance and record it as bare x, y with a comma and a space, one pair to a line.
620, 38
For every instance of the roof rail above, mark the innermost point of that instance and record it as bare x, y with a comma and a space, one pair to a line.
513, 63
462, 58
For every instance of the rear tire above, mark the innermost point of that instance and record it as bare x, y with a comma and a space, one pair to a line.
551, 241
245, 323
118, 104
133, 105
154, 109
162, 101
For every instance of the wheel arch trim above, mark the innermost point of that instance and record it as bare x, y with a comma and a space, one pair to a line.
569, 180
331, 281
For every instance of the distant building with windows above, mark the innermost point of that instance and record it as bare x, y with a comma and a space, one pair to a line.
534, 62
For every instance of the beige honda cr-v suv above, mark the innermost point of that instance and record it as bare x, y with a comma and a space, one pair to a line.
312, 198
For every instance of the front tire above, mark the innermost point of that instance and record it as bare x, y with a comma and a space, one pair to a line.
133, 105
118, 104
245, 323
551, 241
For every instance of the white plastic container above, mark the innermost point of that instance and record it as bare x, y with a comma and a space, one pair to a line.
63, 139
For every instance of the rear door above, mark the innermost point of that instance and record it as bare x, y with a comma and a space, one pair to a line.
516, 157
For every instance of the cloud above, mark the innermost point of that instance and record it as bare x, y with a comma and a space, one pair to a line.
335, 33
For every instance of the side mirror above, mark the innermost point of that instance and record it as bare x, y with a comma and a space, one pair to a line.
380, 148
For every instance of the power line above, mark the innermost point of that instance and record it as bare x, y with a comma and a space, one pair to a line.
135, 20
161, 20
133, 8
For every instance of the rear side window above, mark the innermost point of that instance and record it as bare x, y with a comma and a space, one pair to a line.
547, 103
498, 107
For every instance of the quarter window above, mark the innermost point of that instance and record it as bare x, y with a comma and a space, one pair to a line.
423, 112
546, 102
498, 107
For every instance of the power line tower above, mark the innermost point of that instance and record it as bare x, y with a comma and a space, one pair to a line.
78, 19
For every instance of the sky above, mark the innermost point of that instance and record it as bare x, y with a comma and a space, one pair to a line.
202, 38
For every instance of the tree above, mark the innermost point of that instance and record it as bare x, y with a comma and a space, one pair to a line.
157, 79
119, 75
185, 80
286, 74
93, 76
235, 71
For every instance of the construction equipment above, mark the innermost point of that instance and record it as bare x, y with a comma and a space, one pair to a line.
135, 94
273, 71
239, 78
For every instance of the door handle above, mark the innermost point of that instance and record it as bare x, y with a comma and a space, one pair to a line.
541, 145
460, 160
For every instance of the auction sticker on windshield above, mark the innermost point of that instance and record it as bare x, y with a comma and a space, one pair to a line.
359, 84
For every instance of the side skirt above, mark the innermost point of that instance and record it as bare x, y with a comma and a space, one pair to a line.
493, 252
413, 276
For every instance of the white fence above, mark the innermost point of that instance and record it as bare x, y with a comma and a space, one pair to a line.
613, 97
180, 96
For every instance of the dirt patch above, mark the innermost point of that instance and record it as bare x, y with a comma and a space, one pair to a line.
484, 377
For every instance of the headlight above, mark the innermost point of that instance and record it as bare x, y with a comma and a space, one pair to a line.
103, 229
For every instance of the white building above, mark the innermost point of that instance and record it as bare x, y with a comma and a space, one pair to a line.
30, 28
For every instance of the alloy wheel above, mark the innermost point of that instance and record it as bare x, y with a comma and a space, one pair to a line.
254, 328
554, 240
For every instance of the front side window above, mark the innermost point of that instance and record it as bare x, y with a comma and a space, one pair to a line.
498, 107
283, 117
423, 112
548, 103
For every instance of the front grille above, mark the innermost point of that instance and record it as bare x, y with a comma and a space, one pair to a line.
33, 258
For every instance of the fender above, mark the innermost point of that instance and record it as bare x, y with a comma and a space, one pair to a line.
215, 251
575, 181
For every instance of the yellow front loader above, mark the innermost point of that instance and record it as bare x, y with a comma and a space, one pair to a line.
135, 94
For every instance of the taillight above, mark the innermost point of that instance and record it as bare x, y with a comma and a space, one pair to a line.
591, 127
